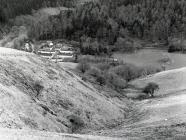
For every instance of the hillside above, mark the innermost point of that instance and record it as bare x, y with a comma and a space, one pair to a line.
162, 117
170, 81
39, 115
65, 103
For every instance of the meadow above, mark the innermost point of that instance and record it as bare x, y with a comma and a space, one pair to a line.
153, 57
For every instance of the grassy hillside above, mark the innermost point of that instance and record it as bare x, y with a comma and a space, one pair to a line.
40, 95
171, 81
101, 26
162, 117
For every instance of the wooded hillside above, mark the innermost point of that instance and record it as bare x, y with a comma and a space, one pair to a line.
106, 21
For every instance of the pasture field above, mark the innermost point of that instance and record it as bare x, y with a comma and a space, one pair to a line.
153, 57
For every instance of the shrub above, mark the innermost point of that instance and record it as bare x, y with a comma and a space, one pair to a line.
38, 87
101, 80
137, 45
115, 81
148, 70
173, 48
103, 66
95, 72
76, 123
176, 45
127, 71
126, 45
84, 78
150, 88
165, 59
83, 66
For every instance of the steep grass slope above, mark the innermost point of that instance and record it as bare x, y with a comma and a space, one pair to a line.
41, 95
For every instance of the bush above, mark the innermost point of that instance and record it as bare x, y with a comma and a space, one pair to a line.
95, 72
76, 123
165, 60
83, 66
173, 48
150, 88
114, 76
91, 46
130, 72
84, 78
115, 81
126, 45
103, 66
38, 87
127, 71
148, 70
101, 80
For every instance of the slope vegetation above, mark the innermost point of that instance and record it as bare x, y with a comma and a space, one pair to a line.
40, 95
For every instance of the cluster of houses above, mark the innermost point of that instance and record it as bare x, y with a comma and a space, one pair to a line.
54, 51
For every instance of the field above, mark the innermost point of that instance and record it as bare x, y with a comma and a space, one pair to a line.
153, 57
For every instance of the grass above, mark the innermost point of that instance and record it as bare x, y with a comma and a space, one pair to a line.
153, 57
29, 122
94, 59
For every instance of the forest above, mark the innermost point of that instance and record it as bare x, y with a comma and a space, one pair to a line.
12, 8
98, 24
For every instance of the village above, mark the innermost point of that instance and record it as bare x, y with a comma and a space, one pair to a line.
57, 51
